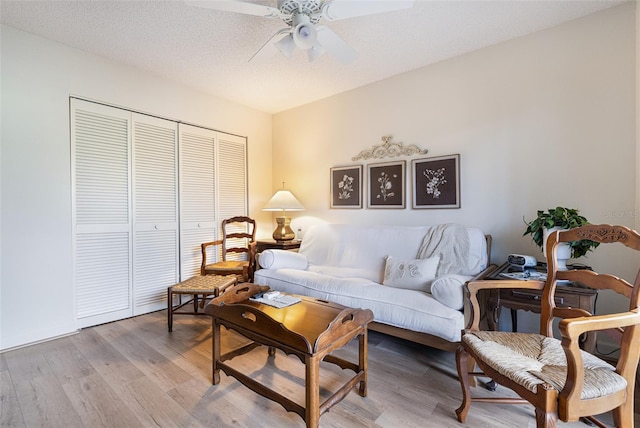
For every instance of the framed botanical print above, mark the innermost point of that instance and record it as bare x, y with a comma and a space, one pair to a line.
436, 182
346, 187
386, 185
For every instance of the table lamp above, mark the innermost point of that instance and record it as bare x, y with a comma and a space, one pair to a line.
283, 200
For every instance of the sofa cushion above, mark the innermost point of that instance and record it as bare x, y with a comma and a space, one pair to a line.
408, 309
415, 274
449, 290
282, 259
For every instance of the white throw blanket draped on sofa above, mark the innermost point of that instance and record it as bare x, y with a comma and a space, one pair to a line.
451, 242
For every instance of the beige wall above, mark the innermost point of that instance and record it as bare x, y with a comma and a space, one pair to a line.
637, 213
38, 76
540, 121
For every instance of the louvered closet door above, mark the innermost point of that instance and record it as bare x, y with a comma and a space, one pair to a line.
100, 138
197, 196
155, 211
232, 179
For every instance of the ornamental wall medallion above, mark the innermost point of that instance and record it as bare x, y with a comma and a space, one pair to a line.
389, 149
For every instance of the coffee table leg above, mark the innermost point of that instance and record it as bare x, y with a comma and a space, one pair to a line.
312, 387
362, 361
215, 351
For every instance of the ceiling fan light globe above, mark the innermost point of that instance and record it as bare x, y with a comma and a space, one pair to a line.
305, 36
315, 52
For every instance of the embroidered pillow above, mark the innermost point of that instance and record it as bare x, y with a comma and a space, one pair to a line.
414, 274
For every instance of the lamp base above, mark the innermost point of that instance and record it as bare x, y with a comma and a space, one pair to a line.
283, 231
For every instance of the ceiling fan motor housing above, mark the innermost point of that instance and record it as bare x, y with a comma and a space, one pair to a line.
290, 8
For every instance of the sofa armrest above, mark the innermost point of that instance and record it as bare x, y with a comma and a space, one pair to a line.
282, 259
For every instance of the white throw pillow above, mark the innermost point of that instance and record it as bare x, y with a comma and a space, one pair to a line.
449, 290
414, 274
282, 259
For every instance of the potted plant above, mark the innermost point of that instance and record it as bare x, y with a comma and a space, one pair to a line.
559, 218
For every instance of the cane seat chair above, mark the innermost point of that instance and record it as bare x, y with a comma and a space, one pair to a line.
238, 237
558, 378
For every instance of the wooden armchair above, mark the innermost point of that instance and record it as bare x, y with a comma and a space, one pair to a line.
238, 237
558, 378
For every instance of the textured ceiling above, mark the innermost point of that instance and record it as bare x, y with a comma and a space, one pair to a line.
209, 50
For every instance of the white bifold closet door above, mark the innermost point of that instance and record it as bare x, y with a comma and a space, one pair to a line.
155, 211
125, 211
101, 213
213, 186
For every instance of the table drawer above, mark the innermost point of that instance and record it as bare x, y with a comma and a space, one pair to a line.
534, 296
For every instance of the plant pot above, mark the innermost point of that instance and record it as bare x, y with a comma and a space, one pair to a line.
563, 250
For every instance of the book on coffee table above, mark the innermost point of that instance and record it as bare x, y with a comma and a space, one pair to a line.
276, 299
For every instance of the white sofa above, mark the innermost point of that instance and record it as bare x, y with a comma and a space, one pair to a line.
419, 296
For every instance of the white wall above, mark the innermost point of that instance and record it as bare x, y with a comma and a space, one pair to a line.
540, 121
38, 75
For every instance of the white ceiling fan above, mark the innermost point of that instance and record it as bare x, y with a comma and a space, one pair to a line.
302, 17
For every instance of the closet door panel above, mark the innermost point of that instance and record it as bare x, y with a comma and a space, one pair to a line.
102, 277
232, 176
232, 181
198, 222
101, 212
155, 211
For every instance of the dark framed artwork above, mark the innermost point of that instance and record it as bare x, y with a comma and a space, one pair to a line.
386, 185
346, 187
436, 182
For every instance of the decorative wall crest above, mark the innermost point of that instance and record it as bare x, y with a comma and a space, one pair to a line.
389, 149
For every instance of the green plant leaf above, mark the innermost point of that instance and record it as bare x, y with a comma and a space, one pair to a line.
565, 218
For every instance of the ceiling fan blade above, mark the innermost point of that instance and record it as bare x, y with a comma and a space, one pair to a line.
333, 44
286, 45
342, 9
283, 49
237, 6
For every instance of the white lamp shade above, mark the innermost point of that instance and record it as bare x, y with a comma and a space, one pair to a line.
283, 200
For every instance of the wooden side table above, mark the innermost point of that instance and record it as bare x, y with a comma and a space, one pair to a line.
574, 295
270, 244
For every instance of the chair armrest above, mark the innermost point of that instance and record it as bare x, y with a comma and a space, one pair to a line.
572, 328
203, 249
487, 284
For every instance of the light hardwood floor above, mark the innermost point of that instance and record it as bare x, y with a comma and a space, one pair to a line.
133, 373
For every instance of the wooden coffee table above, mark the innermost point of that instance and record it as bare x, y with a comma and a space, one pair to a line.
311, 330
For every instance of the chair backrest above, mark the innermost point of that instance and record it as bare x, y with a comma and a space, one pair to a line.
604, 234
237, 235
